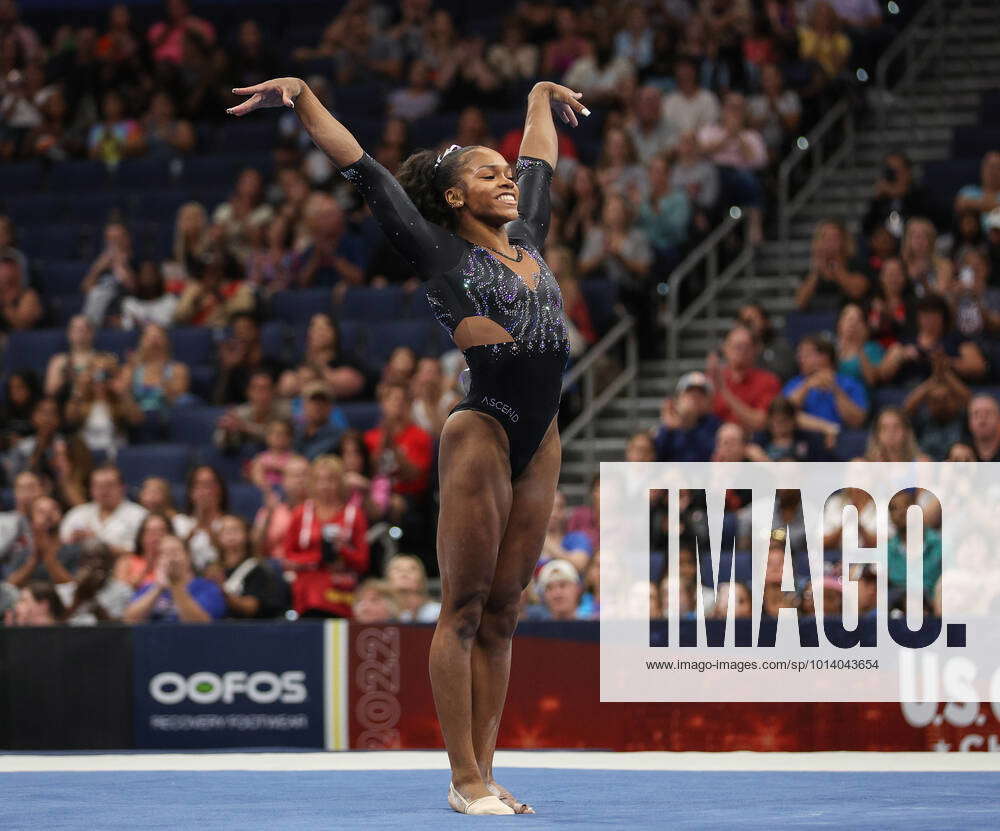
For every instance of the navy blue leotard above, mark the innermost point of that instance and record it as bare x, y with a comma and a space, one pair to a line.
519, 382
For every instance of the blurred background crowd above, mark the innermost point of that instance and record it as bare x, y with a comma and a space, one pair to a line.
222, 389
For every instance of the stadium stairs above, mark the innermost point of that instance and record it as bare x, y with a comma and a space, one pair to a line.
945, 120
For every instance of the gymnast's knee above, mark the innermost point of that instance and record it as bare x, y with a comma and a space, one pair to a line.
500, 617
464, 614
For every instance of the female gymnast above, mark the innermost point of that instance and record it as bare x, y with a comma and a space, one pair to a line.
473, 228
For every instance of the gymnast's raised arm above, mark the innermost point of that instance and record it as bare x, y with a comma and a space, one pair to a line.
428, 247
332, 137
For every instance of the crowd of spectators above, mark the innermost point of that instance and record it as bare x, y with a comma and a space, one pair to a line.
902, 373
696, 101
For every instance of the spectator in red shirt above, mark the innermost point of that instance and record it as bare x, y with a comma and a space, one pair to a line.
326, 546
743, 390
400, 448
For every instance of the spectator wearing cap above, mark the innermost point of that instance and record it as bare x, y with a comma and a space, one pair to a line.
575, 547
687, 424
317, 436
984, 428
914, 359
898, 197
743, 391
896, 549
820, 391
558, 585
936, 409
782, 440
109, 516
985, 196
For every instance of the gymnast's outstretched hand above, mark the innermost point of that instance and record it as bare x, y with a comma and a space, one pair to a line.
565, 102
279, 92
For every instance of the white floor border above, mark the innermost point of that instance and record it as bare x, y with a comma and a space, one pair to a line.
567, 760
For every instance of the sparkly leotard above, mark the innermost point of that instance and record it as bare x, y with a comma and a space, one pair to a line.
517, 382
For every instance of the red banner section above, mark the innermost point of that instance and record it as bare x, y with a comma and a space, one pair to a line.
554, 702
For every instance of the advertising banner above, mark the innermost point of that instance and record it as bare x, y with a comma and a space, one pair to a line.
238, 685
554, 702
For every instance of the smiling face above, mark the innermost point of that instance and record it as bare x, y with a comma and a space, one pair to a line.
486, 190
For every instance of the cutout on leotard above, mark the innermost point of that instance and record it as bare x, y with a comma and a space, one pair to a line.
477, 330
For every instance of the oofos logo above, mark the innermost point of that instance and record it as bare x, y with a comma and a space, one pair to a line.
209, 688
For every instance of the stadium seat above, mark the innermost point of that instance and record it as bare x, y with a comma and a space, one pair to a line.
32, 349
62, 276
851, 444
274, 341
142, 174
888, 397
203, 381
79, 175
171, 461
974, 141
64, 306
117, 341
384, 337
600, 297
361, 415
23, 177
297, 306
229, 466
800, 324
194, 425
192, 345
374, 305
944, 179
245, 499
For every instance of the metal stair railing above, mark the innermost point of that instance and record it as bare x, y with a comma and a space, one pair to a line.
707, 255
936, 17
832, 141
815, 146
584, 426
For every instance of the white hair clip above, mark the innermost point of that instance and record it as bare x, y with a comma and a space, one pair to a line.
451, 149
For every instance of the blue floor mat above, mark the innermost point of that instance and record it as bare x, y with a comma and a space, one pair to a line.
564, 799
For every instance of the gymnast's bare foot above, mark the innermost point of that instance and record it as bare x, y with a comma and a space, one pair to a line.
508, 798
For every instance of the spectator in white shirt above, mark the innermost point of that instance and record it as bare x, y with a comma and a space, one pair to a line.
690, 107
109, 516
